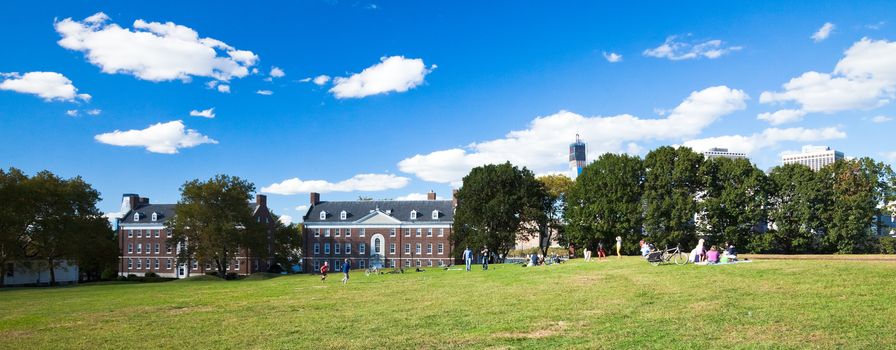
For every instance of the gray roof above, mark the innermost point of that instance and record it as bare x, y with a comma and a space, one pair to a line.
163, 211
400, 210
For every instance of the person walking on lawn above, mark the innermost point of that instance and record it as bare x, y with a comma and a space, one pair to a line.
618, 246
345, 268
468, 257
323, 271
484, 258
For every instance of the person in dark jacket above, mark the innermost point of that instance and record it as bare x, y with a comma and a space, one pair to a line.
345, 268
485, 257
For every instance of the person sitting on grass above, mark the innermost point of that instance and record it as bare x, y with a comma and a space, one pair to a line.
731, 251
601, 253
645, 249
712, 256
533, 260
323, 271
698, 254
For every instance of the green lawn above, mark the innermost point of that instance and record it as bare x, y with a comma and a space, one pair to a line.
614, 304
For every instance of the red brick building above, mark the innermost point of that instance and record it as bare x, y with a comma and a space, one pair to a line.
143, 241
392, 233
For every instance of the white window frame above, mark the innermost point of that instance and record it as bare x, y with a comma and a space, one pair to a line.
362, 248
407, 263
326, 232
130, 233
435, 214
156, 264
419, 233
337, 232
407, 232
155, 217
168, 233
362, 232
323, 215
347, 248
440, 249
337, 249
348, 232
418, 249
343, 215
407, 248
429, 232
139, 248
139, 264
156, 233
391, 248
391, 232
428, 248
156, 250
419, 263
413, 215
429, 263
361, 264
168, 264
326, 248
130, 263
130, 248
139, 233
316, 248
317, 232
392, 263
136, 217
442, 232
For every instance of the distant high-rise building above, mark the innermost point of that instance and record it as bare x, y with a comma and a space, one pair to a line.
716, 152
577, 156
814, 157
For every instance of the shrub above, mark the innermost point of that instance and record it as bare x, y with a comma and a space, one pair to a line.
151, 275
887, 245
231, 276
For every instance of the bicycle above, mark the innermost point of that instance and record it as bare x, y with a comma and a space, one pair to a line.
673, 255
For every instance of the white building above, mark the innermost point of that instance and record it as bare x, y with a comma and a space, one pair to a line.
814, 157
37, 272
716, 152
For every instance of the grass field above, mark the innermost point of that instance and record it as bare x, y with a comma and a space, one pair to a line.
614, 304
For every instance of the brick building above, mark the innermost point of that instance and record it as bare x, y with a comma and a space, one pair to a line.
143, 241
391, 233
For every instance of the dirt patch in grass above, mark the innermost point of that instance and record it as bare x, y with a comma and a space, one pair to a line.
551, 330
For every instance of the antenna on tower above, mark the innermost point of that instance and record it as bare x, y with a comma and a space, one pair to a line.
577, 138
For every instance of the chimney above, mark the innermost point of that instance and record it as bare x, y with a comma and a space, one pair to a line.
261, 200
315, 198
431, 195
129, 201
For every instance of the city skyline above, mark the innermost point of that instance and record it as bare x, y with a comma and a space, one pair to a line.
141, 98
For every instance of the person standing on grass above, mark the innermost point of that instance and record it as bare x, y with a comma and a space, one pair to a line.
323, 271
346, 266
484, 258
618, 246
468, 257
601, 252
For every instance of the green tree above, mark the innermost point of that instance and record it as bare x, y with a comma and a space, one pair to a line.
96, 249
212, 222
858, 189
606, 202
671, 184
795, 204
286, 243
557, 187
733, 202
496, 205
14, 218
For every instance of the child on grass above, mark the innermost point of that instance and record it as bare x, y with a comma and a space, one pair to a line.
323, 271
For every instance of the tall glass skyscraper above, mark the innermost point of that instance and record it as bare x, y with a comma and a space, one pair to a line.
577, 156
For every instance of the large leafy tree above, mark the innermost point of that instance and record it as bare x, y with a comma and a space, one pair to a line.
496, 205
795, 203
734, 200
606, 202
213, 222
14, 217
671, 185
557, 188
286, 243
858, 189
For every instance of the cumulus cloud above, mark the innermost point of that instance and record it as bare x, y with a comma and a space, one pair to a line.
302, 209
50, 86
264, 92
321, 79
891, 156
94, 111
676, 50
153, 51
413, 197
823, 33
224, 89
783, 116
613, 57
285, 219
864, 78
157, 138
277, 72
542, 146
880, 119
305, 80
206, 113
72, 112
360, 182
767, 138
394, 73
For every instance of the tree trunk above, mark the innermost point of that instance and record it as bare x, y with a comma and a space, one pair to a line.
52, 272
221, 271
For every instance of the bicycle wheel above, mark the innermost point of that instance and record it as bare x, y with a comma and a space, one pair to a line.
680, 258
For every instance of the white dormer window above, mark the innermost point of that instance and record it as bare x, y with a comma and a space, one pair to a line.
342, 215
155, 216
388, 211
323, 215
413, 215
435, 214
136, 216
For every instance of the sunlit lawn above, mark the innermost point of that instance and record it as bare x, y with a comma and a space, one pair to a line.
613, 304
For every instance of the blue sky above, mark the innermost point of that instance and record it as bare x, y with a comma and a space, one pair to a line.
427, 89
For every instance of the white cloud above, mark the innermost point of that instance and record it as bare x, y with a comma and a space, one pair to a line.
678, 50
305, 80
542, 146
864, 78
302, 209
285, 219
265, 92
277, 72
225, 89
881, 119
321, 79
413, 197
876, 26
72, 112
360, 182
767, 138
153, 51
891, 156
207, 113
613, 57
783, 116
157, 138
394, 73
823, 33
50, 86
94, 111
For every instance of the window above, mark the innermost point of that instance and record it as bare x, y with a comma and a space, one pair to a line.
441, 263
441, 232
419, 248
139, 248
136, 216
377, 245
392, 263
155, 217
156, 233
435, 214
327, 248
429, 249
362, 233
429, 263
147, 264
419, 263
168, 232
237, 264
407, 248
168, 248
316, 248
130, 233
139, 264
413, 215
348, 232
168, 264
326, 232
429, 232
337, 232
343, 215
323, 215
156, 264
348, 248
392, 248
337, 249
130, 247
419, 232
407, 263
139, 233
392, 232
130, 264
362, 248
157, 249
195, 265
317, 232
441, 249
362, 264
407, 232
316, 266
